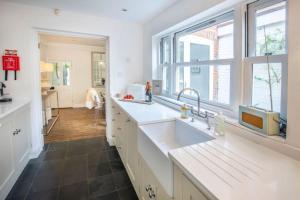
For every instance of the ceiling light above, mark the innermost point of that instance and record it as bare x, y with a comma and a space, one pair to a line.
124, 10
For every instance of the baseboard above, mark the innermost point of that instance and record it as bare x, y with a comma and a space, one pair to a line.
111, 141
35, 152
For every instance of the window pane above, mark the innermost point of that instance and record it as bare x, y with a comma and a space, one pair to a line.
165, 50
266, 84
61, 73
270, 30
215, 42
166, 76
212, 81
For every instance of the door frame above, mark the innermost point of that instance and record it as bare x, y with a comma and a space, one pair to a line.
37, 75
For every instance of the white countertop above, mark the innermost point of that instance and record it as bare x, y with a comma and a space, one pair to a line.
229, 167
234, 168
10, 107
147, 114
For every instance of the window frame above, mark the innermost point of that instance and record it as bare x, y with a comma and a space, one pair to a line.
252, 59
226, 16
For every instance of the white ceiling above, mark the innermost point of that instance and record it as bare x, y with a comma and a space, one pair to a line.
138, 10
60, 39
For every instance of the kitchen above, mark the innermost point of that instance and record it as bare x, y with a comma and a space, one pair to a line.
207, 142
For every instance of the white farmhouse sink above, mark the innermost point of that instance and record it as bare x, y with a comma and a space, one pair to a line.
156, 140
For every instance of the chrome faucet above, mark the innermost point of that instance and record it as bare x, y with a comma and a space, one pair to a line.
198, 98
206, 115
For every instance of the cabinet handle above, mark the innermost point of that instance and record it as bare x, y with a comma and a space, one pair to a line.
148, 188
15, 133
113, 120
119, 129
118, 113
152, 194
0, 125
18, 131
128, 120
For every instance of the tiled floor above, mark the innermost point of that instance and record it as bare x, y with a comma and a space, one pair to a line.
82, 169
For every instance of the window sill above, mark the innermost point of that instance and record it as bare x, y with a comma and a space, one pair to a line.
170, 102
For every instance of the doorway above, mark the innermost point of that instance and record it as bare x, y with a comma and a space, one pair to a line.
73, 84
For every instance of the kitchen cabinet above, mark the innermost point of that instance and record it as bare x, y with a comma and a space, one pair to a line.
150, 186
184, 189
6, 155
125, 134
132, 154
15, 147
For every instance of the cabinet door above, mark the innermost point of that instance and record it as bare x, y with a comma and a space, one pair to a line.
6, 155
190, 192
132, 154
21, 138
148, 183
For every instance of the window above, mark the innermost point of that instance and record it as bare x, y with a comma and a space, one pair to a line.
61, 73
98, 69
165, 61
267, 55
203, 60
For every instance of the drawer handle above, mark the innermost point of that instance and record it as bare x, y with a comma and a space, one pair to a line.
148, 188
151, 194
119, 129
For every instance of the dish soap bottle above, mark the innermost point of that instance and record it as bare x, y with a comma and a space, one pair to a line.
184, 111
220, 124
148, 93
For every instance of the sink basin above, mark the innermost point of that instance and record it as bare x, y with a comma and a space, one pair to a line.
156, 140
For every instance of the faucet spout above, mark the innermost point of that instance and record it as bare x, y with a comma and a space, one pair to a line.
198, 98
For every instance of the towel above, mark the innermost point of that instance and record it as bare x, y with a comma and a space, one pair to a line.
92, 99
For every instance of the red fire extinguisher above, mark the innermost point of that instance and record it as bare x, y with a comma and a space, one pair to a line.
11, 62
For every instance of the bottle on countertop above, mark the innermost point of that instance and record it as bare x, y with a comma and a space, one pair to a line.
184, 111
148, 92
220, 124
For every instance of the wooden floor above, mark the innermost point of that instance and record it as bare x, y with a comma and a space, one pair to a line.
77, 123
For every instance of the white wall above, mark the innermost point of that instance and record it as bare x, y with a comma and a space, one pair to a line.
17, 31
81, 68
185, 12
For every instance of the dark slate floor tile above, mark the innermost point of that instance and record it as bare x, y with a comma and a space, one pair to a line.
75, 160
43, 195
101, 186
99, 170
55, 146
97, 157
49, 176
19, 191
46, 182
29, 172
111, 196
117, 166
127, 194
77, 191
54, 155
75, 173
75, 150
113, 155
121, 180
51, 166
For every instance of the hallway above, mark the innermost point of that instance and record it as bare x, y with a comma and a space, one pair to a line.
82, 169
77, 123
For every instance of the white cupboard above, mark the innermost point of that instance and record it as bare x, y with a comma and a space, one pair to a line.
15, 147
184, 189
143, 180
